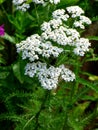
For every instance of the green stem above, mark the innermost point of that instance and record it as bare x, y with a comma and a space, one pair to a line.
65, 126
37, 15
47, 14
73, 91
46, 97
77, 74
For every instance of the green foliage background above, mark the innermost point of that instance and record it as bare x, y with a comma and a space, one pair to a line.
24, 104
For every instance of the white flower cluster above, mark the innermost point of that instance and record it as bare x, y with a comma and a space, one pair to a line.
74, 11
62, 35
43, 2
56, 31
60, 14
33, 47
54, 1
82, 46
21, 5
39, 2
66, 74
18, 2
48, 76
82, 21
56, 34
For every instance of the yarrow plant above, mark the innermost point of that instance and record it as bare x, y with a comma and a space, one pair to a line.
46, 65
25, 4
57, 37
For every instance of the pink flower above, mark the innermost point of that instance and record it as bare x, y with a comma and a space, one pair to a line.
2, 30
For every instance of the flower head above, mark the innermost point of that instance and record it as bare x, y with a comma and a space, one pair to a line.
75, 11
49, 77
2, 30
23, 5
57, 37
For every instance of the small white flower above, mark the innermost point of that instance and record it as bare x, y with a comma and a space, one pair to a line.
18, 2
67, 74
48, 49
82, 46
85, 20
55, 23
54, 1
46, 27
82, 21
75, 11
39, 1
60, 14
79, 24
23, 7
57, 13
52, 24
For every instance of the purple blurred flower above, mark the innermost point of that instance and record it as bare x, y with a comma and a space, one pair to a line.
2, 30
